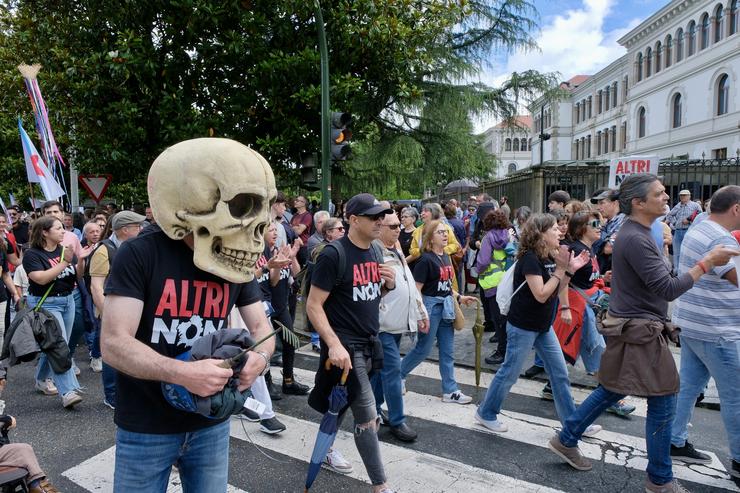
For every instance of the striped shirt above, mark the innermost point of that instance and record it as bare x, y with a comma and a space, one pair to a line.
680, 212
710, 310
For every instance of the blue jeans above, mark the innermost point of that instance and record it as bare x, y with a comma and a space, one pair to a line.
519, 342
387, 382
592, 343
109, 383
445, 334
677, 240
63, 309
144, 460
661, 410
699, 361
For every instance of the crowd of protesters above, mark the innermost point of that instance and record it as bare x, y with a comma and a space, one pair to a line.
604, 269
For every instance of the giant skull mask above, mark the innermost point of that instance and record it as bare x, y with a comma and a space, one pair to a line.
220, 191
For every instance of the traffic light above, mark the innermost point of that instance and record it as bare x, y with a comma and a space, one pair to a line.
544, 137
308, 170
340, 136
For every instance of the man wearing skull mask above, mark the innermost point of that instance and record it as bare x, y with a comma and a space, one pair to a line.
174, 283
344, 307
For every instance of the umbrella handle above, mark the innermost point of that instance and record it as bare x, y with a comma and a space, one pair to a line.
345, 373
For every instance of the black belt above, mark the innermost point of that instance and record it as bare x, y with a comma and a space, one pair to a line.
59, 295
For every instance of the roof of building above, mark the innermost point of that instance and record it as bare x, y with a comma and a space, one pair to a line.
518, 121
574, 82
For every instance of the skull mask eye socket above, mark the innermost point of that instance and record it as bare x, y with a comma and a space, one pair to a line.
243, 204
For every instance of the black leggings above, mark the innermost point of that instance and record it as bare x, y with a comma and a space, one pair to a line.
498, 321
283, 316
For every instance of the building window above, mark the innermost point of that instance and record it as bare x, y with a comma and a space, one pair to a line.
719, 153
734, 16
614, 95
516, 145
575, 149
598, 143
692, 38
512, 167
578, 112
641, 122
599, 102
583, 147
679, 45
668, 51
648, 62
624, 135
719, 23
588, 146
606, 141
529, 143
639, 67
523, 145
507, 145
658, 56
625, 87
676, 110
723, 94
590, 106
607, 98
704, 41
614, 138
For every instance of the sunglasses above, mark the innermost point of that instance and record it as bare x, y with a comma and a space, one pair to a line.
392, 226
596, 224
340, 228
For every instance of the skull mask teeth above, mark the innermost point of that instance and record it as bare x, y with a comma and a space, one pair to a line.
222, 194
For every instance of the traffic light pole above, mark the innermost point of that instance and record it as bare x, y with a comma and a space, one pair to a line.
325, 114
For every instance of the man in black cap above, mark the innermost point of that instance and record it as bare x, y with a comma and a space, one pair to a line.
344, 306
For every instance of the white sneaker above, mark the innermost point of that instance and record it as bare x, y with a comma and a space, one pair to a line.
493, 425
46, 387
96, 364
403, 386
75, 368
70, 399
335, 461
457, 397
592, 430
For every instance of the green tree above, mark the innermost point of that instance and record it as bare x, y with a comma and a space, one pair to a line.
123, 80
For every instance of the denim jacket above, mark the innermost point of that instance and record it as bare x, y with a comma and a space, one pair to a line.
448, 305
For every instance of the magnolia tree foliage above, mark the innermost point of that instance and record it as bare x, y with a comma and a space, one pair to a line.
124, 80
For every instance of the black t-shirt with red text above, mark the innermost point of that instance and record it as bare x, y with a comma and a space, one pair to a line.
436, 273
181, 304
353, 305
36, 259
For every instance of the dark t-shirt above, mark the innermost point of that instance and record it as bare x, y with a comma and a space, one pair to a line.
4, 267
436, 274
181, 304
405, 240
526, 312
281, 290
585, 276
36, 259
353, 306
20, 230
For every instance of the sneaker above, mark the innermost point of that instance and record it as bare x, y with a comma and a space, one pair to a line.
403, 386
591, 431
546, 392
96, 364
249, 415
271, 426
384, 419
273, 391
70, 399
689, 454
493, 425
295, 388
457, 397
571, 455
496, 358
315, 348
46, 387
621, 408
109, 403
335, 461
44, 486
672, 487
403, 432
533, 371
493, 339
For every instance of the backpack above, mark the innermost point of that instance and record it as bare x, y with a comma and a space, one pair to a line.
505, 292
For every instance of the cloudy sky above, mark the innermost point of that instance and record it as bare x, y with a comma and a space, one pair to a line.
575, 37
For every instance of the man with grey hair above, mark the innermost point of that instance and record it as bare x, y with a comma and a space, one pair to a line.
315, 239
680, 219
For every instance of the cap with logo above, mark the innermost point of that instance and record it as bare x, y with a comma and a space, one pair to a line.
365, 204
684, 192
124, 218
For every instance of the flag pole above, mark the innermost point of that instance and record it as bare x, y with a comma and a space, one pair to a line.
33, 200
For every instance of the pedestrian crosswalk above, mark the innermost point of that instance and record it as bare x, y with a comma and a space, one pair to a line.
452, 454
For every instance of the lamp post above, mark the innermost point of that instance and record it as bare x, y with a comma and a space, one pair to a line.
325, 115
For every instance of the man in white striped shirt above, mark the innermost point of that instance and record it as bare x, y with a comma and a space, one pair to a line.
709, 317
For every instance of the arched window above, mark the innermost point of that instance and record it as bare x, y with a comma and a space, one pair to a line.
723, 94
507, 145
639, 67
641, 122
516, 145
719, 22
607, 98
523, 145
704, 41
606, 140
614, 138
668, 51
648, 62
734, 16
614, 95
692, 38
588, 146
598, 143
676, 111
529, 143
679, 45
658, 56
512, 167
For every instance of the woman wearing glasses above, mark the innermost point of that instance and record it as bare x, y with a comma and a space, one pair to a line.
434, 276
409, 216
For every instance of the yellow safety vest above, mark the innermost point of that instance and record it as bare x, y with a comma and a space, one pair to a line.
491, 277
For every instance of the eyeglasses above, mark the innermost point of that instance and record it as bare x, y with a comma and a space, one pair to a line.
340, 228
596, 224
392, 226
442, 232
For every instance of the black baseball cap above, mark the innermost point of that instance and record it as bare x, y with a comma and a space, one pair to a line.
606, 193
365, 204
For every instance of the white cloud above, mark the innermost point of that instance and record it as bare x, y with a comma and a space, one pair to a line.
572, 43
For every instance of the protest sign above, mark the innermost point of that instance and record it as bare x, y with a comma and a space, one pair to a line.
621, 168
